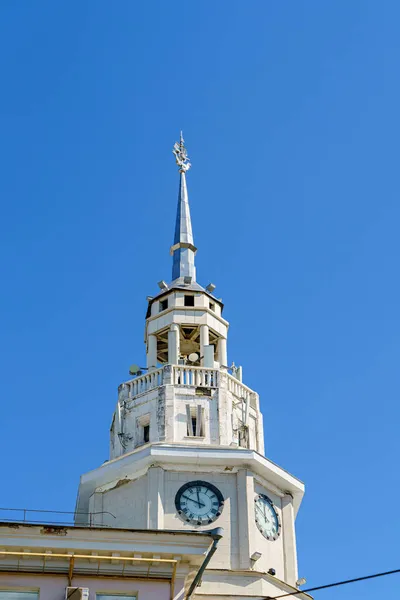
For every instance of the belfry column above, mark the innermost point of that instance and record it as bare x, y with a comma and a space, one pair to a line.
173, 344
222, 352
204, 340
151, 352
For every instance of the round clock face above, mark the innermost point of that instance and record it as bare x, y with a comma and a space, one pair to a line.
199, 502
266, 518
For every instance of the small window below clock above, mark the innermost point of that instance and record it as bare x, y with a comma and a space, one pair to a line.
116, 596
18, 595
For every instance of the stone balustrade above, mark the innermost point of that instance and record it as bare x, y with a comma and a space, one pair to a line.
238, 389
145, 382
188, 375
196, 376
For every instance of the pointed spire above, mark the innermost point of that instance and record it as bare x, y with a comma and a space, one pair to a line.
183, 250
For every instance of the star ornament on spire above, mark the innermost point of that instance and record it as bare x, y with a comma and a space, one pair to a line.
181, 157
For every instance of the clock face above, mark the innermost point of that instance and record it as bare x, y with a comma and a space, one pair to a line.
199, 502
266, 517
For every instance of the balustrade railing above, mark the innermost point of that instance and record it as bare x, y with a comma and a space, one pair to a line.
196, 376
53, 517
188, 375
237, 388
146, 382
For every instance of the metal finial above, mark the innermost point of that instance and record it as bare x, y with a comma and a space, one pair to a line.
181, 157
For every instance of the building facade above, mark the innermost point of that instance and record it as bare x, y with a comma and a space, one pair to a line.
187, 480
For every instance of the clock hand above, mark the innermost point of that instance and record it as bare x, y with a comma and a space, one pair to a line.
263, 513
191, 499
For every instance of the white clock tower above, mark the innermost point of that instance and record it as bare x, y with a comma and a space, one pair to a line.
187, 444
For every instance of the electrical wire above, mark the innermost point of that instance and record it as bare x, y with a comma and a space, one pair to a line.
331, 585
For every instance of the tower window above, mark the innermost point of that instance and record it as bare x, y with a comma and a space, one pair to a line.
212, 306
143, 430
163, 304
244, 437
188, 300
195, 420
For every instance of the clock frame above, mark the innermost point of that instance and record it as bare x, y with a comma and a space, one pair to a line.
268, 502
192, 487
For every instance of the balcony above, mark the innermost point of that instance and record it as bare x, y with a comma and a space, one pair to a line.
186, 375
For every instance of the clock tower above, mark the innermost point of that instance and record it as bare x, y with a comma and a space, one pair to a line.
187, 441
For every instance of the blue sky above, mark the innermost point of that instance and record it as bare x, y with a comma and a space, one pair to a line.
290, 112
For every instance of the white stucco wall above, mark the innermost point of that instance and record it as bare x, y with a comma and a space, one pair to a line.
271, 550
127, 500
227, 552
52, 587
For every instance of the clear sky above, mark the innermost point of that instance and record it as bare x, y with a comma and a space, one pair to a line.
290, 112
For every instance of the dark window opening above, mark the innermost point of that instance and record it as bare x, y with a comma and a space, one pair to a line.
243, 438
163, 304
146, 433
189, 300
195, 421
212, 306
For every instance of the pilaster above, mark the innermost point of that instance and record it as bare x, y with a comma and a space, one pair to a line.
155, 508
245, 494
289, 540
224, 411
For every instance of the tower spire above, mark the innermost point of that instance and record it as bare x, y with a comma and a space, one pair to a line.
183, 249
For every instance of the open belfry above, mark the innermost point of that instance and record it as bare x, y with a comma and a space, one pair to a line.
187, 442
